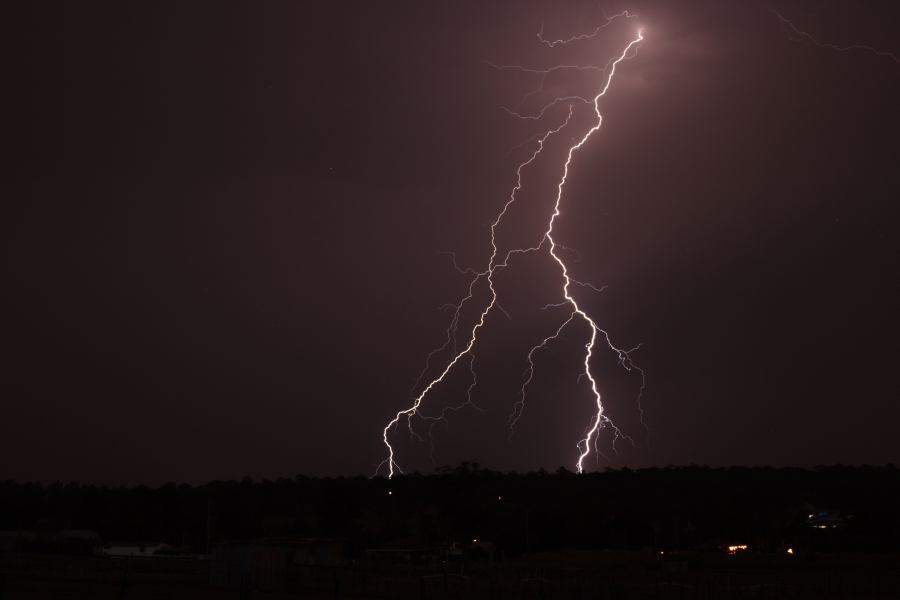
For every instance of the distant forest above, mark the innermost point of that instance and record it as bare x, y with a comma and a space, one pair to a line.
827, 509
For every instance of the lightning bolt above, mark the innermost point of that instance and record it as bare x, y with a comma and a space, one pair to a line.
585, 36
498, 262
599, 418
787, 25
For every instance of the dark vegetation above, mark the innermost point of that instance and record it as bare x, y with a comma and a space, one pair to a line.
665, 508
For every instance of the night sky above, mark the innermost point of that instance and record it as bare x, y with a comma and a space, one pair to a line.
224, 225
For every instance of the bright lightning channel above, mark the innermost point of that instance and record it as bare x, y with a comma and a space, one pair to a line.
494, 264
599, 418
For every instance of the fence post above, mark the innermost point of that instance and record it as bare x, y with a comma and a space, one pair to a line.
123, 590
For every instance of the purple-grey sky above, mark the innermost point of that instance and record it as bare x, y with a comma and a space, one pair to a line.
223, 235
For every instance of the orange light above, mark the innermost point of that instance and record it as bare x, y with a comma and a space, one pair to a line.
737, 548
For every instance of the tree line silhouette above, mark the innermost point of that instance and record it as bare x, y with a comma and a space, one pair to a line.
662, 508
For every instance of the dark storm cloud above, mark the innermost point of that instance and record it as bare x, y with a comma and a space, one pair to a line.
224, 257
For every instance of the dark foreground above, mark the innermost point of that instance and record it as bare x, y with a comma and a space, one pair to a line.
698, 533
559, 575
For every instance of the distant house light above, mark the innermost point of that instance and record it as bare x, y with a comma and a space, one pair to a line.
736, 548
790, 550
